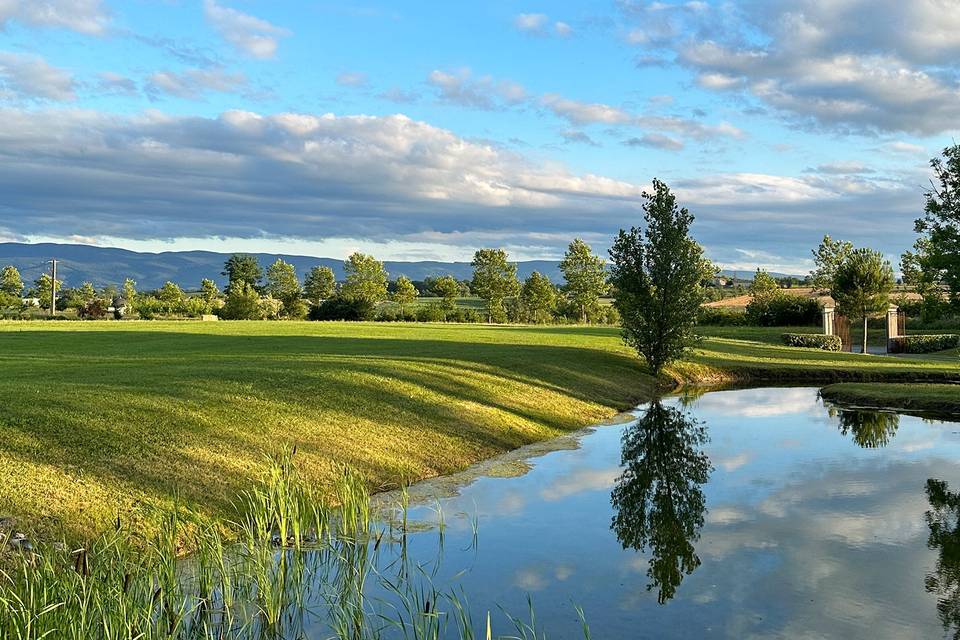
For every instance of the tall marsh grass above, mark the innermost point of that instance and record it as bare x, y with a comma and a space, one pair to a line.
293, 564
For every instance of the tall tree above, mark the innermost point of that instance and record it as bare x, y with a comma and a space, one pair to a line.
209, 292
284, 285
405, 293
862, 286
243, 268
242, 303
366, 279
11, 287
494, 280
320, 284
657, 275
129, 293
763, 285
827, 258
448, 289
658, 501
585, 276
538, 298
43, 289
170, 294
925, 280
940, 224
943, 522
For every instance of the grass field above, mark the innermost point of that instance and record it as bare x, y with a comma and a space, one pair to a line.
99, 418
936, 398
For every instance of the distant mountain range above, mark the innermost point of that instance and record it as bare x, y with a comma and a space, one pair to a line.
78, 263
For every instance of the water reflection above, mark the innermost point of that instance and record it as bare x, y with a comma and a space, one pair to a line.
658, 500
870, 429
943, 520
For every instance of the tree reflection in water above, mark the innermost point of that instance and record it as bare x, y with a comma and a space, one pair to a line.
658, 500
943, 520
870, 429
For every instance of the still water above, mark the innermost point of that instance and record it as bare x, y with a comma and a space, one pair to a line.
760, 513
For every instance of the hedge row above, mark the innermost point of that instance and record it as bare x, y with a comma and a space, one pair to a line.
813, 341
924, 344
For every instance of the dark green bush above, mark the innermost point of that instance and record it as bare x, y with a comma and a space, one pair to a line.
432, 312
813, 341
721, 317
343, 309
784, 310
924, 344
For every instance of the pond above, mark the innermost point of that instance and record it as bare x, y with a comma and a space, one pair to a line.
761, 513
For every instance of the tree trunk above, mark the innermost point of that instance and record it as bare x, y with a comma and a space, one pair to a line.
865, 333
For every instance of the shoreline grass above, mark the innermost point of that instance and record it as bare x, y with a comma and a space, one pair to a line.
100, 419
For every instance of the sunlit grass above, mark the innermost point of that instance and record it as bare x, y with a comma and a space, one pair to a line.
99, 419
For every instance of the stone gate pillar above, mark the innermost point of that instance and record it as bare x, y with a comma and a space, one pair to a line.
829, 314
893, 326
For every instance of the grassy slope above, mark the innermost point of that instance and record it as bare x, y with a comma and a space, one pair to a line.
97, 417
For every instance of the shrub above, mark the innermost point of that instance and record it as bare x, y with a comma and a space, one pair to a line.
721, 317
432, 312
782, 310
924, 344
813, 341
343, 309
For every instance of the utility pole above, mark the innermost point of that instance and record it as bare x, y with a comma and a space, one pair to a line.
53, 290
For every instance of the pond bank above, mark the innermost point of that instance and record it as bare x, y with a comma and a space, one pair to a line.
937, 398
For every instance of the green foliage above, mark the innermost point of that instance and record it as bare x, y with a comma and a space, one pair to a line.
779, 309
494, 280
585, 276
538, 299
170, 294
827, 259
242, 302
813, 341
129, 293
721, 317
447, 288
657, 277
763, 285
862, 286
284, 286
320, 284
405, 293
43, 289
209, 292
925, 279
929, 343
340, 308
366, 279
243, 269
939, 258
11, 284
432, 312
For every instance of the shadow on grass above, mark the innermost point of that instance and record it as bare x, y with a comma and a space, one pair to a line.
158, 413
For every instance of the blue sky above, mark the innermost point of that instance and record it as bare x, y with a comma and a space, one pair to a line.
427, 130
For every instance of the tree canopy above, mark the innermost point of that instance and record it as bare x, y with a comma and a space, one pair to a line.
320, 284
494, 280
827, 258
940, 225
657, 275
585, 276
538, 298
366, 279
862, 286
405, 292
243, 268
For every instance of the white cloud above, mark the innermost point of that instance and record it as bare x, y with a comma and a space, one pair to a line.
254, 36
655, 141
352, 79
480, 93
29, 77
89, 17
562, 29
193, 83
110, 83
530, 22
581, 113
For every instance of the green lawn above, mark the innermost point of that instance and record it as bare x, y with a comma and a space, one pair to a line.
99, 417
